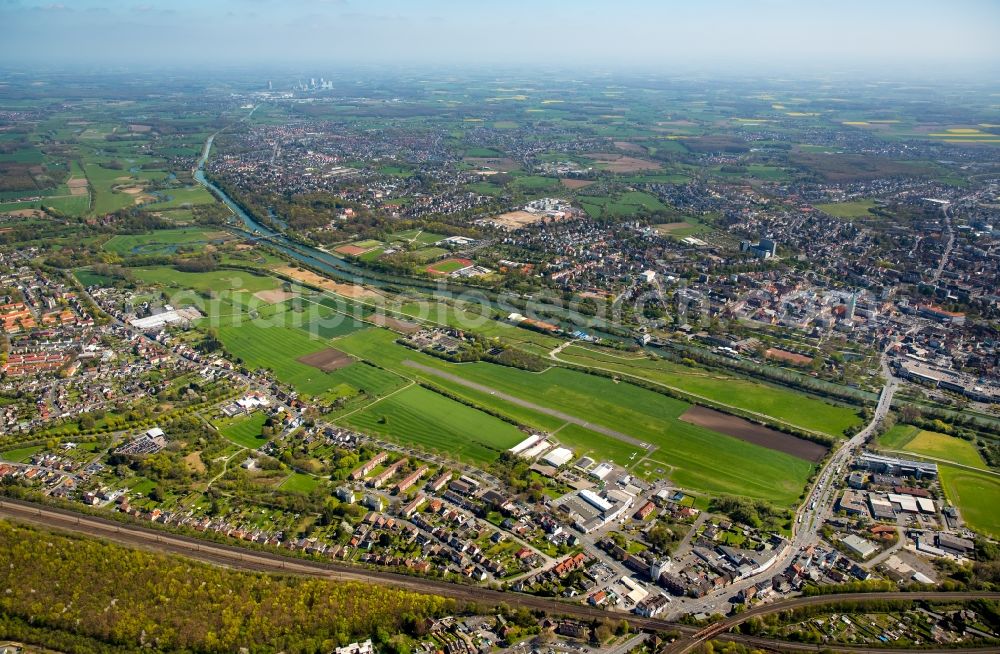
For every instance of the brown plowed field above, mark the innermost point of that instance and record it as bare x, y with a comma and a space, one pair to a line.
395, 324
327, 360
754, 433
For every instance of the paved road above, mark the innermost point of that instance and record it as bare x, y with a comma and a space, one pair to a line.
809, 517
526, 404
626, 646
900, 542
947, 246
683, 645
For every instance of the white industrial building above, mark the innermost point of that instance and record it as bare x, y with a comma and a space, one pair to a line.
525, 444
558, 457
601, 471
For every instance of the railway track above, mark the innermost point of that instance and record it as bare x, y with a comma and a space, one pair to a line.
240, 558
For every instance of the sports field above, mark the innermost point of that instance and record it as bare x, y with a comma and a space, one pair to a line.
439, 424
781, 403
448, 266
698, 458
976, 494
243, 430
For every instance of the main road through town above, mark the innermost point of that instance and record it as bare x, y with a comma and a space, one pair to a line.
809, 518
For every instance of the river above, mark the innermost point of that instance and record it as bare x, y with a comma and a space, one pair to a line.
341, 269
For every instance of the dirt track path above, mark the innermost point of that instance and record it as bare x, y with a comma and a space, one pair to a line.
529, 405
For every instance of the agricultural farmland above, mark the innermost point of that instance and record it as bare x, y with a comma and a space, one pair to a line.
279, 349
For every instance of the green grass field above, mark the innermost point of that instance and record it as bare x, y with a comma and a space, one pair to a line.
21, 454
434, 422
277, 349
599, 447
625, 205
71, 205
243, 430
781, 403
300, 483
332, 325
976, 494
848, 210
90, 278
181, 197
908, 438
897, 437
218, 281
363, 377
536, 184
698, 458
417, 236
449, 265
164, 241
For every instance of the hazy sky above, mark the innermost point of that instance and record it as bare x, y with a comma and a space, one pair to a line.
668, 35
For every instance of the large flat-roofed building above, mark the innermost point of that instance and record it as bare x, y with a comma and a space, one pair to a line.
893, 466
881, 507
907, 503
859, 546
591, 510
940, 315
601, 471
853, 503
955, 545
